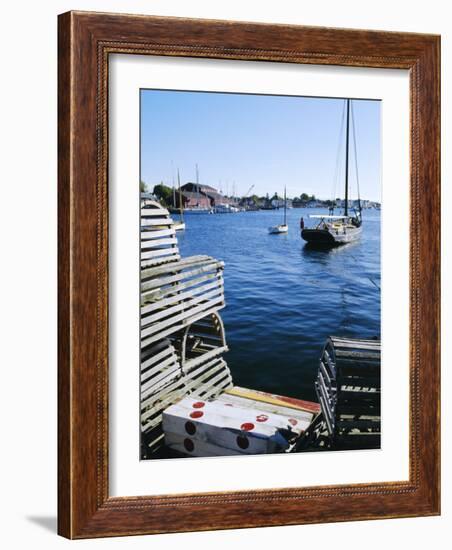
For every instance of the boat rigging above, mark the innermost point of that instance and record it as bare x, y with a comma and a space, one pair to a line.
334, 230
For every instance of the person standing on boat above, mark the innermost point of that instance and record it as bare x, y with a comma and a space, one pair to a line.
301, 223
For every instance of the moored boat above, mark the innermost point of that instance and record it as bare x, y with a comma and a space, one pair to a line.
334, 230
282, 227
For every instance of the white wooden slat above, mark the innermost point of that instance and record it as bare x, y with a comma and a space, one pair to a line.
209, 380
183, 305
180, 326
204, 386
163, 281
190, 364
177, 266
196, 369
188, 312
157, 348
155, 404
157, 294
168, 375
208, 392
151, 424
154, 212
165, 378
160, 261
148, 361
215, 386
204, 372
154, 372
150, 203
182, 264
356, 344
159, 252
156, 443
157, 222
215, 286
145, 235
145, 245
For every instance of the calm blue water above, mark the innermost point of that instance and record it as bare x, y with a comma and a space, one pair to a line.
282, 299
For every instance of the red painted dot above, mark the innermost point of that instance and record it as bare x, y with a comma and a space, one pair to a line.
196, 414
293, 421
247, 427
262, 418
198, 405
189, 445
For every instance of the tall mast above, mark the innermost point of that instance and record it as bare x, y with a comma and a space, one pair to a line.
181, 204
285, 203
346, 158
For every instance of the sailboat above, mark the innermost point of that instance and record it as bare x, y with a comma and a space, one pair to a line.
180, 225
333, 230
283, 227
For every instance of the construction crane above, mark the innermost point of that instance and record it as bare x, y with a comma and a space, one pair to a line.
244, 200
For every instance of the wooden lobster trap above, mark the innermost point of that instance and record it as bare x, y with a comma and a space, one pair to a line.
348, 387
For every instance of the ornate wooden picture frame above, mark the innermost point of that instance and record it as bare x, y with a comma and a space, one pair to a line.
86, 40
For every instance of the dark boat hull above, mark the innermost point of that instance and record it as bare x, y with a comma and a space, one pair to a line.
325, 237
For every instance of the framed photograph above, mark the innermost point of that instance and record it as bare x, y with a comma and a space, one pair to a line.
248, 275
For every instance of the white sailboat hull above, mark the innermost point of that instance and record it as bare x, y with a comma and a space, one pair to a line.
278, 229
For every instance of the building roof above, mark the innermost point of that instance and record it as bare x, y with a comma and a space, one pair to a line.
214, 195
193, 195
201, 186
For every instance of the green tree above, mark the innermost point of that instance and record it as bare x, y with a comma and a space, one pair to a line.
164, 194
304, 197
143, 187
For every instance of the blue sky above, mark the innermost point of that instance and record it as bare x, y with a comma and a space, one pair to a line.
239, 140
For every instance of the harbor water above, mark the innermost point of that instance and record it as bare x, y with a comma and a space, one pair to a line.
284, 299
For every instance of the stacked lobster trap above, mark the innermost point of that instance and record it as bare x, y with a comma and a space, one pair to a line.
182, 334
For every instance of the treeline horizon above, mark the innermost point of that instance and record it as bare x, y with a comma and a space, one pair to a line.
165, 195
